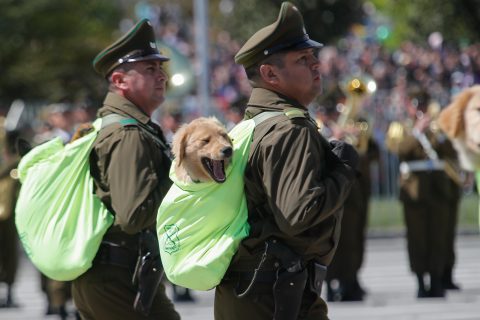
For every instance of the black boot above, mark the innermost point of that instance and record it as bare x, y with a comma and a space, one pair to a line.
436, 287
181, 294
422, 292
8, 302
447, 280
359, 288
333, 290
350, 292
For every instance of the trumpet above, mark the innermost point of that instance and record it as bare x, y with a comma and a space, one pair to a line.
358, 132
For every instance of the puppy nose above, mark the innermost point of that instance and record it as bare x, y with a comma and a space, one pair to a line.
227, 151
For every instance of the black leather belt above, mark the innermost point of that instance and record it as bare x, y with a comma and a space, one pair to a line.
116, 255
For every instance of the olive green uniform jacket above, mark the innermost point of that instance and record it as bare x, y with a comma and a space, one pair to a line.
9, 189
295, 193
430, 200
130, 172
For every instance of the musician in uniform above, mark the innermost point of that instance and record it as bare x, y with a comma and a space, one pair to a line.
342, 276
9, 188
429, 192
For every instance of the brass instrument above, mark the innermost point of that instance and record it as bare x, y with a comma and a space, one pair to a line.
397, 131
357, 133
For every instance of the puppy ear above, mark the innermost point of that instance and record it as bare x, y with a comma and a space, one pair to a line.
179, 143
451, 119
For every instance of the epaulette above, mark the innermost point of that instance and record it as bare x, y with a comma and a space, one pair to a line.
295, 113
116, 118
128, 122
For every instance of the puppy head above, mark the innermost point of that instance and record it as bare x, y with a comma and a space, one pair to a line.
461, 122
82, 130
451, 119
202, 151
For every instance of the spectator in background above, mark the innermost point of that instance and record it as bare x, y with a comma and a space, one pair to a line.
235, 112
58, 123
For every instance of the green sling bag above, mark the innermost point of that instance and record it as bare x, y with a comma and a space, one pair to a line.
200, 225
60, 221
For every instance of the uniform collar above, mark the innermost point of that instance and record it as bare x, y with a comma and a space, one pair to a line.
117, 104
263, 99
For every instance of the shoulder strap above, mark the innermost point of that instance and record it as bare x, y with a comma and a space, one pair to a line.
112, 118
259, 118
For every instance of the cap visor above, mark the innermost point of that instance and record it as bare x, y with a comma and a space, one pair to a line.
306, 44
150, 57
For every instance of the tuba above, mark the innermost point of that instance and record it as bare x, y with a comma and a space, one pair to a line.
358, 132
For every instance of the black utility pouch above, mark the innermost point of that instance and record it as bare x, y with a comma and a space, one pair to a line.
287, 293
317, 274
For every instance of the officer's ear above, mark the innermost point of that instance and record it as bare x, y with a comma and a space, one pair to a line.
268, 72
118, 80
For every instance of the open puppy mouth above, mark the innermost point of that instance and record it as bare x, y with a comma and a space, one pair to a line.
215, 168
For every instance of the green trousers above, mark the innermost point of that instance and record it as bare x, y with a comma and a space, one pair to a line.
106, 293
259, 304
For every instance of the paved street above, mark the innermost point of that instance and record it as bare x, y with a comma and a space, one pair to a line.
385, 275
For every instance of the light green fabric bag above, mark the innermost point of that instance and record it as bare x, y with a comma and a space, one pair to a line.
59, 219
200, 225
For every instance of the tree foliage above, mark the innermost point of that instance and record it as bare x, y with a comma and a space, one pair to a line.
458, 21
48, 46
325, 20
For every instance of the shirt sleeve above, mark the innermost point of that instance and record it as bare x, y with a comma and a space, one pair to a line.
301, 191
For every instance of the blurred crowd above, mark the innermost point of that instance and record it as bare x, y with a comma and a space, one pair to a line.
442, 70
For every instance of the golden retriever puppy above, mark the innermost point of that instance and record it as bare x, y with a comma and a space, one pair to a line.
202, 150
460, 120
82, 130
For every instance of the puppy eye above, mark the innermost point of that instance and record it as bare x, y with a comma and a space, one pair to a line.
207, 140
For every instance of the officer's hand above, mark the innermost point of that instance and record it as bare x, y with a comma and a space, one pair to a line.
345, 152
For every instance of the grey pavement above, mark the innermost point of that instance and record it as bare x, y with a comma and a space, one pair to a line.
385, 274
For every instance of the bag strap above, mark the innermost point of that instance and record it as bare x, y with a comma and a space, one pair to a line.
112, 118
259, 118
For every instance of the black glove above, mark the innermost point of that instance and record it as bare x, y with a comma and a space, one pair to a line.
345, 152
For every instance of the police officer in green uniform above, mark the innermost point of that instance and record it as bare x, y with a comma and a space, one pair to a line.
9, 188
129, 164
295, 183
428, 191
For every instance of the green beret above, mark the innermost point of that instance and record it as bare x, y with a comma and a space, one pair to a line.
138, 44
286, 33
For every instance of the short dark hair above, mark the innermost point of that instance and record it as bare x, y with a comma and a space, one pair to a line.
125, 67
276, 59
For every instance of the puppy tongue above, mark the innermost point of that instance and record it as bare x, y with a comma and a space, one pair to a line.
218, 170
